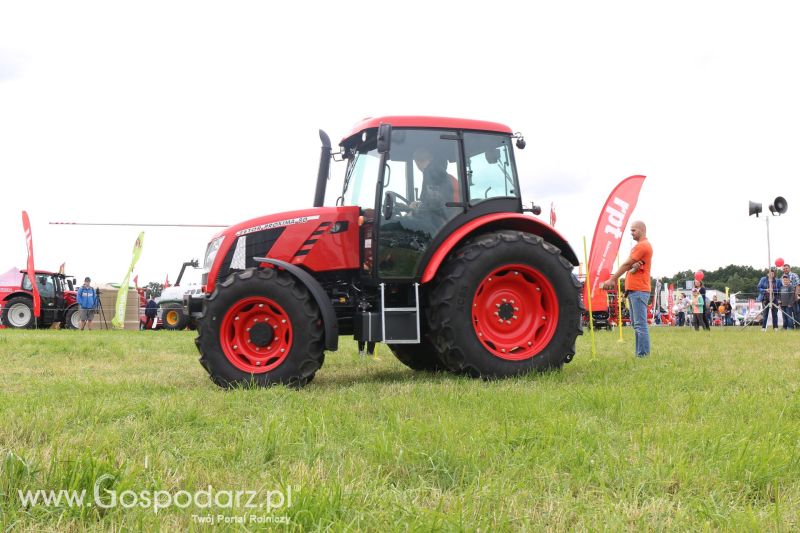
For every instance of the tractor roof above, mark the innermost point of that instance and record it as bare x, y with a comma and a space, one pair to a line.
427, 122
47, 273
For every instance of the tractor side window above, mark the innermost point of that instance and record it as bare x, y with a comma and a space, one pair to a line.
362, 180
489, 168
26, 283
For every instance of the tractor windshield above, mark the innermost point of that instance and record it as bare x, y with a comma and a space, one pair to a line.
361, 178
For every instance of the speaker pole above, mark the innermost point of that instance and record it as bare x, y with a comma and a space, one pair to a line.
769, 253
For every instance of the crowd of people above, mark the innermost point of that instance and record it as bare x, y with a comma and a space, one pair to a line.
778, 293
697, 310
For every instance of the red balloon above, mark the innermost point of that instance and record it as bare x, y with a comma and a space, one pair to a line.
699, 275
779, 262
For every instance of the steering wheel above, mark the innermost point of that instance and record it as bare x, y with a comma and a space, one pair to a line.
390, 204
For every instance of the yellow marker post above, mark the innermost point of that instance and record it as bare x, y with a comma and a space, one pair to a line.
619, 305
589, 298
619, 309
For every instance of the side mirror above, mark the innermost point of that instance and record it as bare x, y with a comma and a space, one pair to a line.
384, 138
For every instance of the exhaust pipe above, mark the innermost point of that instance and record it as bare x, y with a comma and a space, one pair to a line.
324, 169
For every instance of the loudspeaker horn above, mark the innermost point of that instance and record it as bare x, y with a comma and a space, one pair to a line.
778, 206
755, 209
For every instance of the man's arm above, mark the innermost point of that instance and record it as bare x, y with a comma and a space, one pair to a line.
629, 264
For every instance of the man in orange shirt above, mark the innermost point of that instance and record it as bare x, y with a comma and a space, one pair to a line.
637, 285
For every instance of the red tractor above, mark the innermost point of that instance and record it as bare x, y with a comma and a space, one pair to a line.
427, 249
56, 291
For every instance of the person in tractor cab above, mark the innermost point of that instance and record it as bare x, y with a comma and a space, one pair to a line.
438, 187
87, 300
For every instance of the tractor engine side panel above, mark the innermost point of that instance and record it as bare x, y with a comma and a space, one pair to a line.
323, 239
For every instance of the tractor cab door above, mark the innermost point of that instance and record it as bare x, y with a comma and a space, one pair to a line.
47, 295
420, 192
60, 298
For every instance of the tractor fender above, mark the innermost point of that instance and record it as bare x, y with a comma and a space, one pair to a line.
329, 320
494, 222
7, 297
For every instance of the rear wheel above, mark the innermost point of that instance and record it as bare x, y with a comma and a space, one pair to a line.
73, 318
173, 316
261, 327
422, 356
505, 304
18, 313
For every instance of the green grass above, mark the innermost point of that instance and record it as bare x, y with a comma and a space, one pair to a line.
704, 434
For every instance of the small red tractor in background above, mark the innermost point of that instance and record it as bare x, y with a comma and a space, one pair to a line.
56, 291
427, 249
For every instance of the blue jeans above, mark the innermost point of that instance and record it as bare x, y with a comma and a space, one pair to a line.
639, 300
766, 313
788, 317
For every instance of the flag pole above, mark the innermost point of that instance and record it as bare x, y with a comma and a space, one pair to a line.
588, 283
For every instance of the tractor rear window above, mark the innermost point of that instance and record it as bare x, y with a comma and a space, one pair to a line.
489, 168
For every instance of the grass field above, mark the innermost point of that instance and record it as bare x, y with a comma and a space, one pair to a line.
704, 434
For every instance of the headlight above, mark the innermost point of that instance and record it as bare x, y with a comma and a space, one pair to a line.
211, 252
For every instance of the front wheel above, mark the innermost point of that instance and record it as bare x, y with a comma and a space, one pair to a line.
504, 304
261, 327
173, 317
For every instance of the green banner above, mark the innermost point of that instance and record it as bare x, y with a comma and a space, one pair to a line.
122, 296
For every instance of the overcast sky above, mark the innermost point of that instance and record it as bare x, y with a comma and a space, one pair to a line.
202, 112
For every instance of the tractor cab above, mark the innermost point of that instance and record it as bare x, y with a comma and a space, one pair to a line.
415, 185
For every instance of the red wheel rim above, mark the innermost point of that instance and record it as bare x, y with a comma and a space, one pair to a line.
256, 335
515, 312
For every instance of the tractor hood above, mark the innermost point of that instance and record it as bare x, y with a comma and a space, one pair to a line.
319, 239
176, 293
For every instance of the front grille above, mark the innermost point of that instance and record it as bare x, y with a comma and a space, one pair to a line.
256, 244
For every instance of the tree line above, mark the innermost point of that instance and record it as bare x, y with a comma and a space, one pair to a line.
738, 278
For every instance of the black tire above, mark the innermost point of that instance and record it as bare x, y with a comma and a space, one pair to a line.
455, 293
421, 357
72, 320
18, 313
173, 317
306, 352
